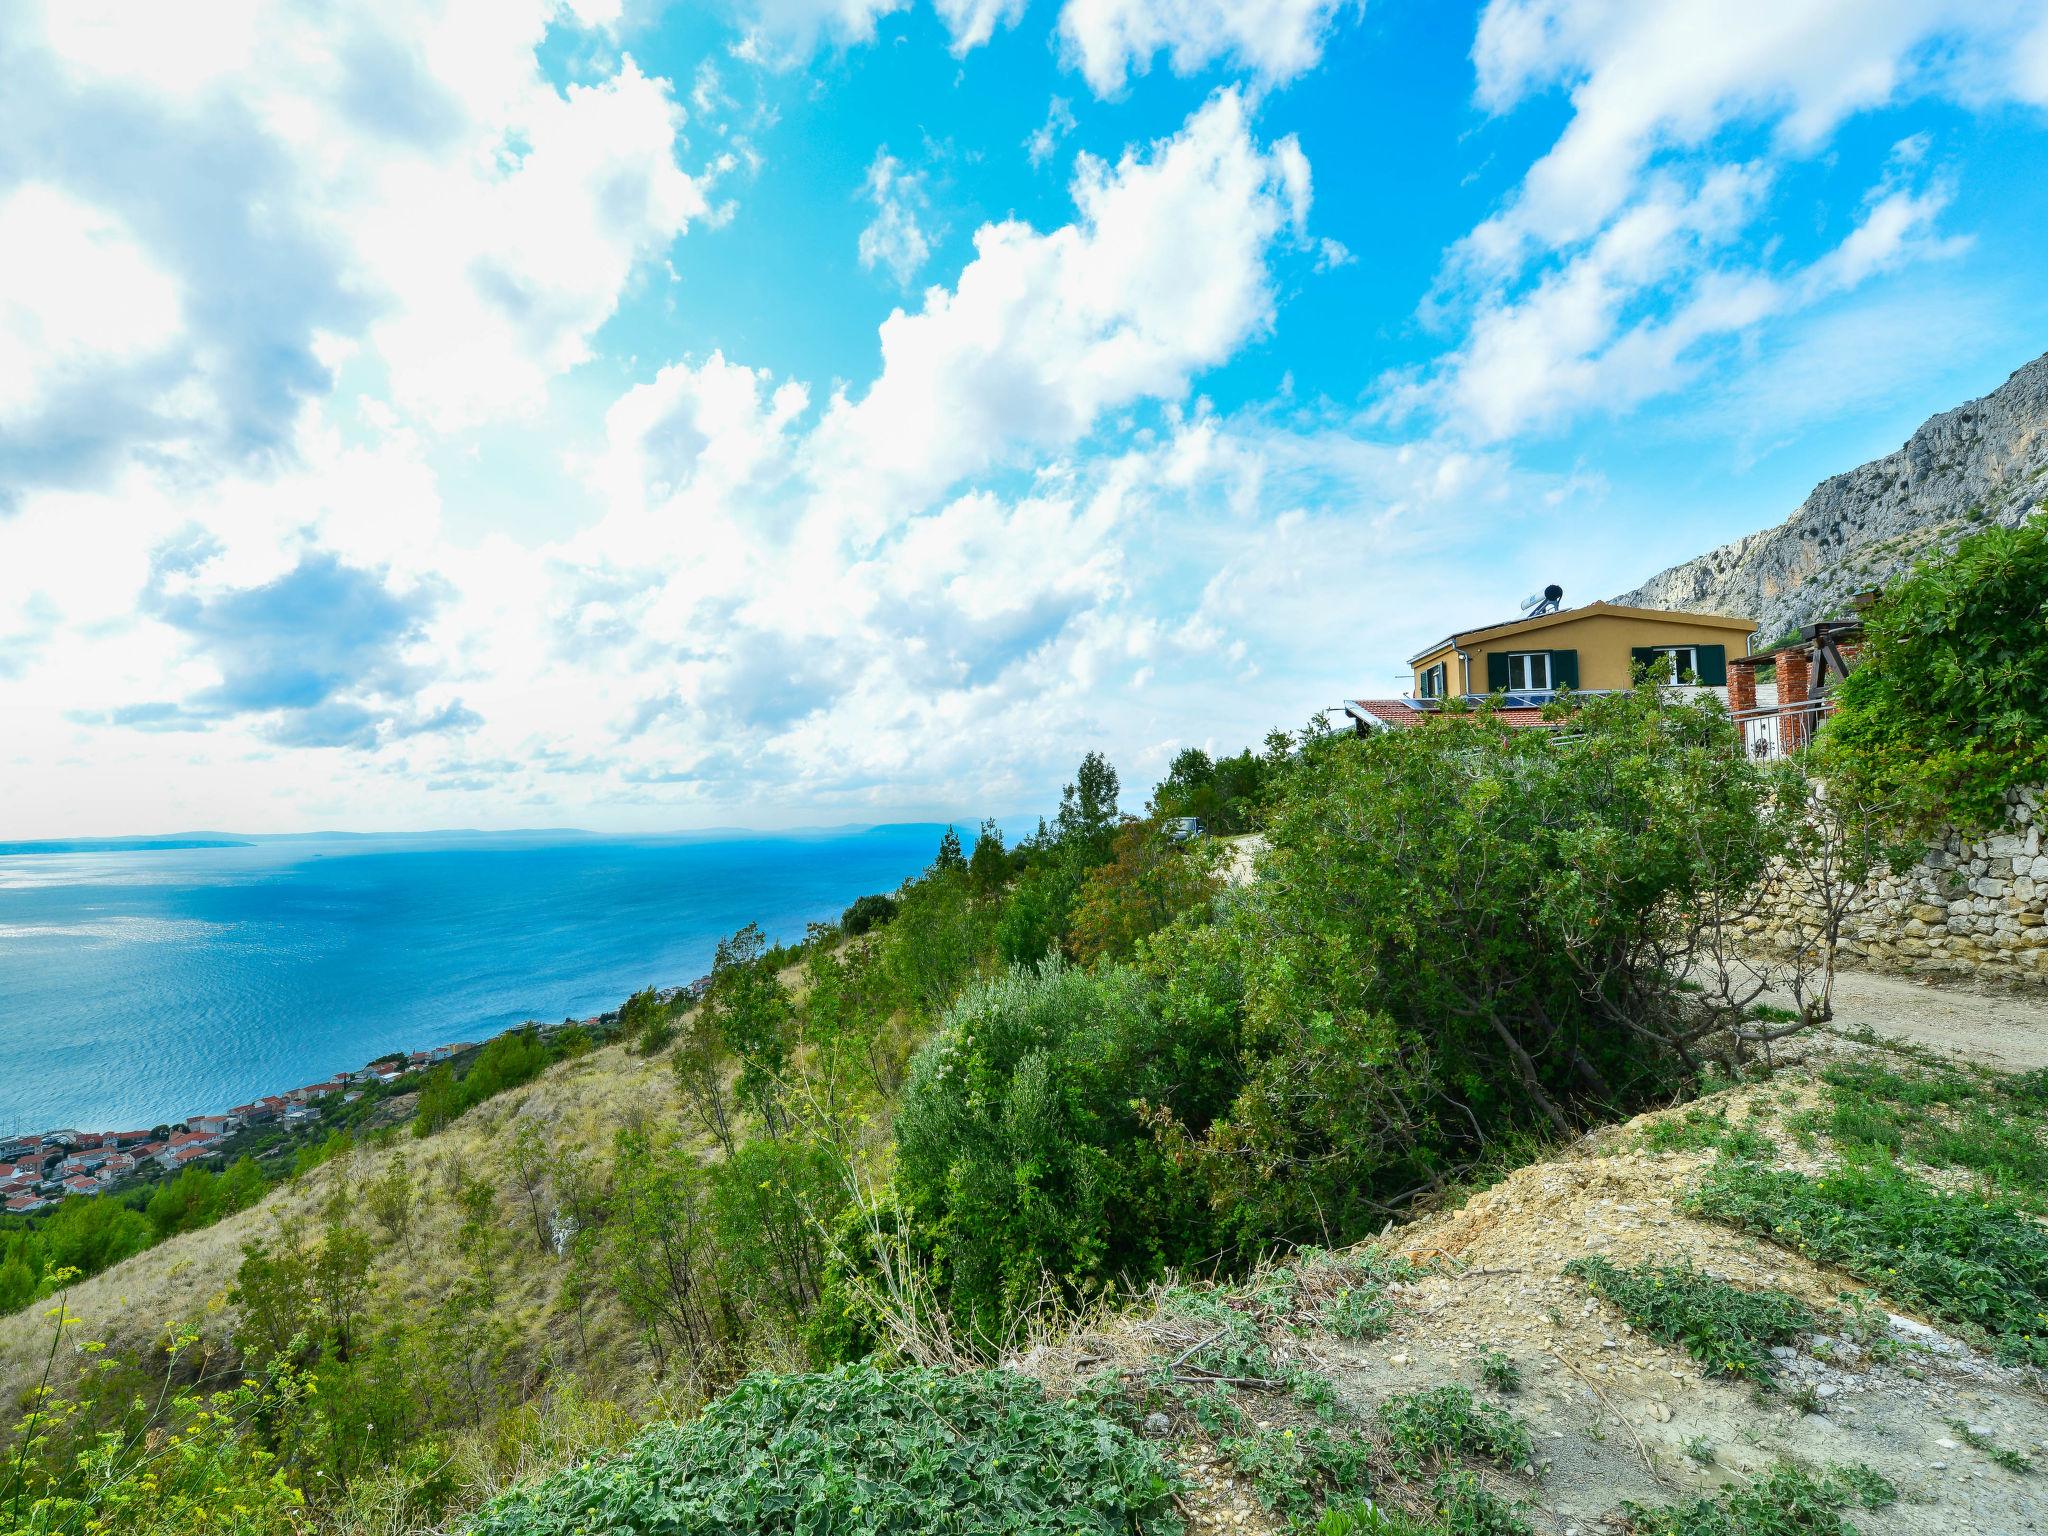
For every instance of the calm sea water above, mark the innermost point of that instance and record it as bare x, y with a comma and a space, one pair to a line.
143, 986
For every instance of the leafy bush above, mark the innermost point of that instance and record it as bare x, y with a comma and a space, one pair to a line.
1786, 1501
1946, 711
1437, 1426
866, 914
1982, 1264
1296, 1471
1147, 883
867, 1453
1729, 1330
1464, 933
512, 1060
1020, 1147
148, 1457
1227, 794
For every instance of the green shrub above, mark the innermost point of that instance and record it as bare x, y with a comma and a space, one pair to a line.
864, 1452
1297, 1471
1981, 1264
1499, 1372
1729, 1330
866, 914
1456, 941
1786, 1501
1021, 1149
1945, 711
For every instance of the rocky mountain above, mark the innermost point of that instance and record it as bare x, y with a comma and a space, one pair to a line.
1982, 463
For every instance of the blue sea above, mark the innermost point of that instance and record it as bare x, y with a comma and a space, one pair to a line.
139, 986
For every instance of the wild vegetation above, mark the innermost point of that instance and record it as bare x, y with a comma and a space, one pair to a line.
1946, 711
1035, 1080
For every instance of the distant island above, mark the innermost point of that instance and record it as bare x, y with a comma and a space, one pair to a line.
119, 845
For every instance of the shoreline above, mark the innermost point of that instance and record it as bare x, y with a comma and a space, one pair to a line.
41, 1170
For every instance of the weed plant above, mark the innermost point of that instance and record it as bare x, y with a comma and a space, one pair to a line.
865, 1452
1437, 1426
1786, 1501
1729, 1330
1976, 1263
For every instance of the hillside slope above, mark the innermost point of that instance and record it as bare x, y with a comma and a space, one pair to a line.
1981, 463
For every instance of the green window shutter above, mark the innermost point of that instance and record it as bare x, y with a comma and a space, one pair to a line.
1641, 656
1496, 671
1564, 669
1714, 666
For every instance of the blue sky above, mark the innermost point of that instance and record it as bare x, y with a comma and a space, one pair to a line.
555, 412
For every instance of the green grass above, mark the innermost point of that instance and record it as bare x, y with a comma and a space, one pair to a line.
1786, 1501
1942, 1116
1462, 1507
1700, 1129
867, 1453
1980, 1264
1727, 1329
1438, 1426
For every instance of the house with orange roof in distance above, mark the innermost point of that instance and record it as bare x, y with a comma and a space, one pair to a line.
22, 1205
1524, 663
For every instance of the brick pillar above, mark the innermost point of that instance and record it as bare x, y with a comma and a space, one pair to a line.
1741, 687
1794, 670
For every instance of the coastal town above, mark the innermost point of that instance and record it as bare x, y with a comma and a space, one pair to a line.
37, 1171
42, 1170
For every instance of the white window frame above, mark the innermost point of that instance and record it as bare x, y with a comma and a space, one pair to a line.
1430, 684
1529, 660
1671, 653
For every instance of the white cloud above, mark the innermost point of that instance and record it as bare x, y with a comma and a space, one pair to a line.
1163, 273
783, 33
974, 22
894, 239
1271, 40
78, 298
1044, 139
394, 182
1657, 76
1623, 257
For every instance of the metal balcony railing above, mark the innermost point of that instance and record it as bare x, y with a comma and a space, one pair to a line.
1780, 730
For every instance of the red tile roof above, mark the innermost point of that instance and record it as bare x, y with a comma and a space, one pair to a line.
1398, 714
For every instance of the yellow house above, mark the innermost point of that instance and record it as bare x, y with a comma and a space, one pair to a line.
1592, 648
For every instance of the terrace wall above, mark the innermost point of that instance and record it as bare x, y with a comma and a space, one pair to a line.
1970, 908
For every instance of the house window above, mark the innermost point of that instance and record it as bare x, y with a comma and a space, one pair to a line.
1683, 660
1528, 671
1430, 682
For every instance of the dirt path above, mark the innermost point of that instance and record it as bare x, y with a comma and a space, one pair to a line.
2001, 1029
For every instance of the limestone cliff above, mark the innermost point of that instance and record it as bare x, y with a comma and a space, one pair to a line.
1982, 463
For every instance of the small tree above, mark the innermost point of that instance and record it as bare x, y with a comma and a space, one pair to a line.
1946, 710
1087, 813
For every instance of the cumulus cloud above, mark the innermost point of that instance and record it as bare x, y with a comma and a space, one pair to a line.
1271, 40
974, 22
319, 654
241, 207
894, 239
1162, 273
1620, 261
782, 33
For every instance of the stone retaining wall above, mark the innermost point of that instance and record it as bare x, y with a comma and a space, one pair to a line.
1972, 908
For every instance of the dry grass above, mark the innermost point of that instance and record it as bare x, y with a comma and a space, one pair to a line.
579, 1105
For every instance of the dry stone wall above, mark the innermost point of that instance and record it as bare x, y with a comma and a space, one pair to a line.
1975, 908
